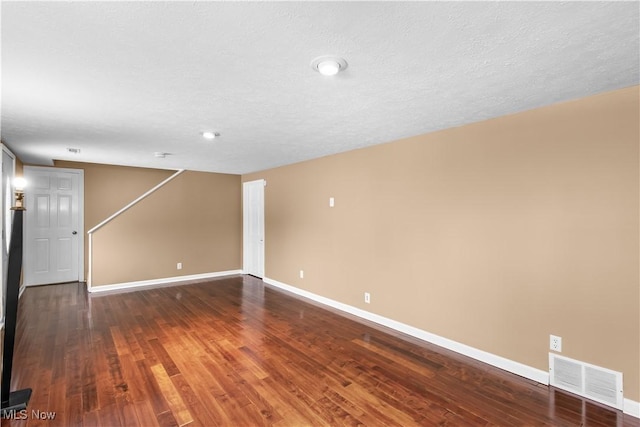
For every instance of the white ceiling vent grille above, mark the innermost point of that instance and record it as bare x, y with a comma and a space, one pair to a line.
593, 382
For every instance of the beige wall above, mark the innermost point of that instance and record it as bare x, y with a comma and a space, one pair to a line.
195, 219
494, 234
19, 166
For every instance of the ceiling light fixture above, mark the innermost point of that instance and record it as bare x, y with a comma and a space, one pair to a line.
329, 65
210, 135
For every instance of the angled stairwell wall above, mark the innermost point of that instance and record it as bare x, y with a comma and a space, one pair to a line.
194, 219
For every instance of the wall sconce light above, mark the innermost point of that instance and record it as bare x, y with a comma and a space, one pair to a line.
18, 187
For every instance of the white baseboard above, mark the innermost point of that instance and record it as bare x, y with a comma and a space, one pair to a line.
163, 281
483, 356
631, 408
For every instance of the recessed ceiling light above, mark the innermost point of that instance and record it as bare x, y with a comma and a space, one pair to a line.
329, 65
210, 135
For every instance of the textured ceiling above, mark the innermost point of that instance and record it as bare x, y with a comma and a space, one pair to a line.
122, 80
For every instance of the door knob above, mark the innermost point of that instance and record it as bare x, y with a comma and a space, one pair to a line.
74, 232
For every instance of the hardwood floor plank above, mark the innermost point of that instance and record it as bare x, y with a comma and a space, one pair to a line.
57, 403
164, 358
120, 344
73, 410
404, 362
253, 363
174, 400
152, 390
91, 419
234, 352
201, 414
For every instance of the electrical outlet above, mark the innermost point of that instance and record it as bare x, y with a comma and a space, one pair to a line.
367, 297
332, 202
179, 266
555, 343
302, 274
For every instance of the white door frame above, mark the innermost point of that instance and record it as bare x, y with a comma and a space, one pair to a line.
247, 259
5, 231
81, 233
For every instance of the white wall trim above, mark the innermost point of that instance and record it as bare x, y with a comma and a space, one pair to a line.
4, 212
483, 356
632, 408
163, 281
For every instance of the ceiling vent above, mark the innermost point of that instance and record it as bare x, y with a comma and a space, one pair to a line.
590, 381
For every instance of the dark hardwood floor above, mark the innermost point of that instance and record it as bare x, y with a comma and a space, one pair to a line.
235, 352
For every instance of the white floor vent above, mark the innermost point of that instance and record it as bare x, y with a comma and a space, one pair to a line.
593, 382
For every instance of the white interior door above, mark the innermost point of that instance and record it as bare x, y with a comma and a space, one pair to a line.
53, 226
253, 227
